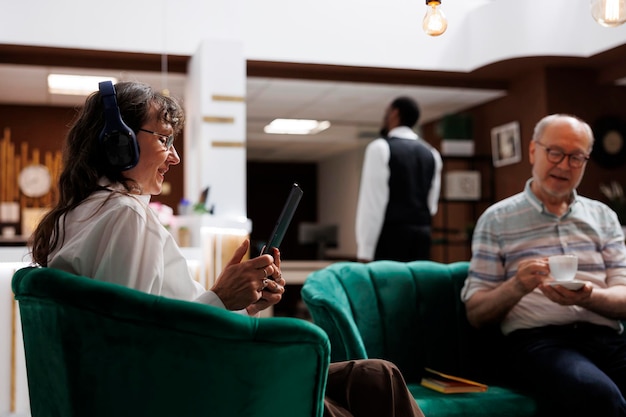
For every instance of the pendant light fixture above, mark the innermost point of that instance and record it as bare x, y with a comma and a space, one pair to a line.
609, 13
164, 59
435, 22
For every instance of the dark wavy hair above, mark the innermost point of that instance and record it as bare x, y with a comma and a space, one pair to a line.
84, 161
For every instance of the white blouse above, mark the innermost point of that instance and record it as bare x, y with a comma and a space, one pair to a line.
118, 238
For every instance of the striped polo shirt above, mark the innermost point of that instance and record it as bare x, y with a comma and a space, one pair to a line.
519, 228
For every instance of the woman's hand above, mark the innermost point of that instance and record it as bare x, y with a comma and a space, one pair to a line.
273, 292
242, 284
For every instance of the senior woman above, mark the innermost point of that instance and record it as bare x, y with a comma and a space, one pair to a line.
117, 154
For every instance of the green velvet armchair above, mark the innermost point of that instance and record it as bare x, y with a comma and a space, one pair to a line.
412, 314
98, 349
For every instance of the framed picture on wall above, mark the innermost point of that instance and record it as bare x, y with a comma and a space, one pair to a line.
506, 148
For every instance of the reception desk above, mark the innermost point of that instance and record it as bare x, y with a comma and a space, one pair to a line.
208, 242
296, 272
13, 383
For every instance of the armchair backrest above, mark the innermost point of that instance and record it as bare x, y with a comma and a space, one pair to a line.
409, 313
99, 349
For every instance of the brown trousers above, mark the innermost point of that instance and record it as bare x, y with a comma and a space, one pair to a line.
368, 388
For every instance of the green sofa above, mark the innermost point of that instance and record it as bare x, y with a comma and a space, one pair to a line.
412, 314
100, 350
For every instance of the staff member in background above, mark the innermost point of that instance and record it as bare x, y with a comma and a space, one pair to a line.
399, 191
102, 227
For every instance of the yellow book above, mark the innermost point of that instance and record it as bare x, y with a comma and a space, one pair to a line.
449, 384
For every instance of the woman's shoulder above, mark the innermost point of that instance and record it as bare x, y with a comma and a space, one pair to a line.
116, 203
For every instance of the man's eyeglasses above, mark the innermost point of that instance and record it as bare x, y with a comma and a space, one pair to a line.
555, 156
165, 140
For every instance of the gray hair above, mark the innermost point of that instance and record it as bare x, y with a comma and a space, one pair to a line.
540, 127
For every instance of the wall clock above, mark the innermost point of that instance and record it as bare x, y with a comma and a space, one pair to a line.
35, 180
609, 147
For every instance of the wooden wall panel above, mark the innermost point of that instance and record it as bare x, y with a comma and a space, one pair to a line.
531, 96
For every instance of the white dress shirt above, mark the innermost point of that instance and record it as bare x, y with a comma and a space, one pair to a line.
374, 190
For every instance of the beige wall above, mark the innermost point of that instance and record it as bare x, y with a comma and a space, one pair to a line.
338, 182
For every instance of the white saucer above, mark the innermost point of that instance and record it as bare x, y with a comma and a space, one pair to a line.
570, 285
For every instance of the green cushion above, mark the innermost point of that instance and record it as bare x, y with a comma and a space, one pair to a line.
390, 310
411, 314
495, 402
99, 349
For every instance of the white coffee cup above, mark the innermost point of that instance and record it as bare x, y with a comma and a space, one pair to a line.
563, 267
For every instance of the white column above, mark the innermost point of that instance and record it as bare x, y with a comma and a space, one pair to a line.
215, 142
215, 151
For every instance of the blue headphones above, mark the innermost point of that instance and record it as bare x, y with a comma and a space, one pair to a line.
117, 139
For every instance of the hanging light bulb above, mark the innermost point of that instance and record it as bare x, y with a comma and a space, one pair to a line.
609, 13
435, 23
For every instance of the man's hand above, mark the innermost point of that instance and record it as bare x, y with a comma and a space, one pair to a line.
565, 297
491, 306
531, 273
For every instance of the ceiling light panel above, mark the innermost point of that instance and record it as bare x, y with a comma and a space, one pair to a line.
78, 85
296, 126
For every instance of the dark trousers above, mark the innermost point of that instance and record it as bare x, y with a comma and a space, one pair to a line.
368, 388
573, 370
403, 243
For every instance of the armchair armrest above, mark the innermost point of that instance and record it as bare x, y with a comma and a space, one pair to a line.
330, 308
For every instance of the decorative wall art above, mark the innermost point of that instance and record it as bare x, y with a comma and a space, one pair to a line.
506, 146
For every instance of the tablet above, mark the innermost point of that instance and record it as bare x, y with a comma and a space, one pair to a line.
284, 219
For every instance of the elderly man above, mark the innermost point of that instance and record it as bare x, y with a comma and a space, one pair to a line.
564, 345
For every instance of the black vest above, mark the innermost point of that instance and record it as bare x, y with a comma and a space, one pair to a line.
411, 167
